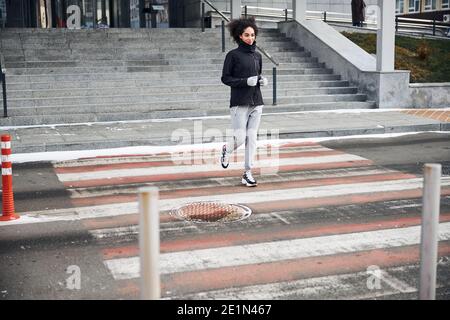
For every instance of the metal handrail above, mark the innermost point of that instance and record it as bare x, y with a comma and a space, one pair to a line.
216, 10
338, 17
2, 63
3, 80
422, 24
421, 20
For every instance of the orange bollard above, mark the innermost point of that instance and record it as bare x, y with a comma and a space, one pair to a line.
7, 194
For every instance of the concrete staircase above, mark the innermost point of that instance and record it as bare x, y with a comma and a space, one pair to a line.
64, 76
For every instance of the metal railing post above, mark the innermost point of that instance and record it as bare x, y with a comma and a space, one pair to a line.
5, 103
245, 10
3, 80
223, 36
434, 26
396, 23
274, 82
324, 16
286, 14
203, 17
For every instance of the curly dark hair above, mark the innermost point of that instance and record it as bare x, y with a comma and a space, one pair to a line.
237, 27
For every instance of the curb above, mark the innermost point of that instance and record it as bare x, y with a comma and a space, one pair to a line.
164, 141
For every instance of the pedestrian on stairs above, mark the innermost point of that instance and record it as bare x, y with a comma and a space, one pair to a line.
242, 72
358, 12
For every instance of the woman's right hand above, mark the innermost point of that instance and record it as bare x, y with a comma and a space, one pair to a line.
263, 81
252, 81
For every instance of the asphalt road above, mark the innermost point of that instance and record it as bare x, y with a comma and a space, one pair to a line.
316, 229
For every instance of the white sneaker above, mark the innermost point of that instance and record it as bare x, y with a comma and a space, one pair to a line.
248, 179
225, 158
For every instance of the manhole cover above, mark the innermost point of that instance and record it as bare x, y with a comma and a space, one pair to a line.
211, 211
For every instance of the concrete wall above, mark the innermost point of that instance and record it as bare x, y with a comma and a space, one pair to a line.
387, 89
430, 95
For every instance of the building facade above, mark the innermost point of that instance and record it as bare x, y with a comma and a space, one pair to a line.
171, 13
424, 9
92, 13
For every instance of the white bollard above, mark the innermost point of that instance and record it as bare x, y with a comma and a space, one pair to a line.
430, 226
149, 243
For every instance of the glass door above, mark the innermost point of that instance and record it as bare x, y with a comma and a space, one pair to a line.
162, 15
156, 13
87, 14
103, 14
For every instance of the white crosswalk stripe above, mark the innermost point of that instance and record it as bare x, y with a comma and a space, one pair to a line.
274, 251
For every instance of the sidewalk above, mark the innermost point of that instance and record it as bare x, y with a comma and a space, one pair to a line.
160, 132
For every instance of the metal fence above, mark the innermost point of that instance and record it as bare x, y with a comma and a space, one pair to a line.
402, 24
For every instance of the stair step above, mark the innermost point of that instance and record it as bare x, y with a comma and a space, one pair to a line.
168, 44
18, 56
185, 75
64, 39
152, 62
173, 92
25, 88
150, 69
201, 99
144, 48
80, 82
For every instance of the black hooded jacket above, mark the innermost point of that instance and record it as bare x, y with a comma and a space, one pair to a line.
240, 64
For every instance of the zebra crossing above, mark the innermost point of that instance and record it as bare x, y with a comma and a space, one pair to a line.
322, 219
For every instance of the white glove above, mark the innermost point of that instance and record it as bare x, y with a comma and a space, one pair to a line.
252, 81
263, 81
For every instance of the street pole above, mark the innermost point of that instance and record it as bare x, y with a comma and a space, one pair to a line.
149, 243
429, 233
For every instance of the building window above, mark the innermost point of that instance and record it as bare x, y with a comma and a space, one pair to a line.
430, 5
399, 6
414, 5
445, 4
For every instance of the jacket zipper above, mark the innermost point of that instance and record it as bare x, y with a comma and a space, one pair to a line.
256, 71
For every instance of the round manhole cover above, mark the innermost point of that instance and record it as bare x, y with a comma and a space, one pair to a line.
211, 211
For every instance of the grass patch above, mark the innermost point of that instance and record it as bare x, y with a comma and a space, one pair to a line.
427, 59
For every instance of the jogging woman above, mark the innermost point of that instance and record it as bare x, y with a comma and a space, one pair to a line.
242, 72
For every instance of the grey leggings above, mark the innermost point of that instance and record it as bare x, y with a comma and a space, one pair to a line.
245, 121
